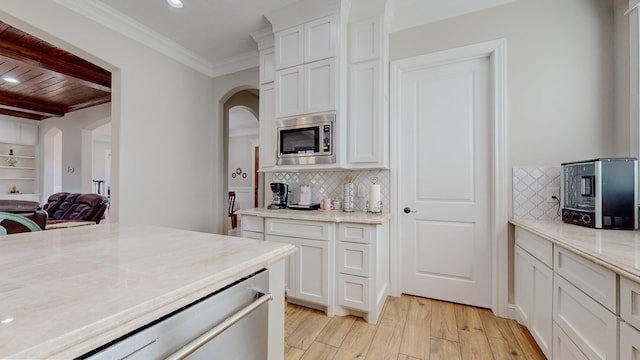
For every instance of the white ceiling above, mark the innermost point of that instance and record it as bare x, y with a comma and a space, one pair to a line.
214, 35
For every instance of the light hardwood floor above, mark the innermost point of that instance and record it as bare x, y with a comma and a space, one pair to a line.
410, 328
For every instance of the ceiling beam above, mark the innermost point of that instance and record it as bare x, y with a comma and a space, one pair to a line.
9, 101
21, 114
93, 78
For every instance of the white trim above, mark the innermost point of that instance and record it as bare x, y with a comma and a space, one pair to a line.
496, 51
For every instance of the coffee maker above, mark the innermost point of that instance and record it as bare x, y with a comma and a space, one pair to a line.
280, 195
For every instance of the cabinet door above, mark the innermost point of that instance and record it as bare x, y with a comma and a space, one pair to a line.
353, 292
354, 258
289, 47
365, 40
312, 280
366, 125
9, 131
267, 127
320, 39
629, 342
320, 86
267, 66
630, 301
289, 91
522, 286
541, 305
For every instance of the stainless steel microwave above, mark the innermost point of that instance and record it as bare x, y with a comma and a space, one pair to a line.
306, 140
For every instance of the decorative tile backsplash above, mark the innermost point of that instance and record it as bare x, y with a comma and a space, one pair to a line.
530, 190
329, 184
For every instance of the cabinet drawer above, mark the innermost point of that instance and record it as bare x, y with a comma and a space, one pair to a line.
252, 223
630, 301
353, 292
629, 342
596, 281
540, 248
563, 347
354, 258
315, 230
359, 233
588, 324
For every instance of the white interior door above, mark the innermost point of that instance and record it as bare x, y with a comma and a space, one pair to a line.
445, 180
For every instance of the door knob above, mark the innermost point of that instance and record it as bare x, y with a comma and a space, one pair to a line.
408, 210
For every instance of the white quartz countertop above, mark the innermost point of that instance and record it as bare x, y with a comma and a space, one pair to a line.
319, 215
66, 292
617, 250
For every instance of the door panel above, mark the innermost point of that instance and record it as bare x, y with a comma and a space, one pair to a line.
445, 179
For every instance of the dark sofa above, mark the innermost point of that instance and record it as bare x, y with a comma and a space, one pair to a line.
26, 208
64, 206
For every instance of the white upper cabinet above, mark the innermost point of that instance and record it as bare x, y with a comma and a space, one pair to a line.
267, 66
320, 39
309, 42
289, 47
267, 127
15, 132
365, 40
319, 86
289, 91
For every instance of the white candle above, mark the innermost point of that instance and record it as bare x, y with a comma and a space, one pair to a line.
374, 195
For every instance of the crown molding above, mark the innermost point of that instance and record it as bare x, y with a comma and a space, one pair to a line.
130, 28
236, 63
303, 11
264, 38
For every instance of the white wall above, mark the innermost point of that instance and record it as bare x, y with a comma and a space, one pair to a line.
241, 156
560, 73
163, 118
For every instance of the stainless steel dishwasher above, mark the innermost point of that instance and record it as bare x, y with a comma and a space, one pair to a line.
228, 324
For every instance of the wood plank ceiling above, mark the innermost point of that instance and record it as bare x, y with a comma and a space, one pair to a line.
52, 82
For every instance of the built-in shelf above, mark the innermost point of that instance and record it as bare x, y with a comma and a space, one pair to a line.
17, 167
17, 156
16, 179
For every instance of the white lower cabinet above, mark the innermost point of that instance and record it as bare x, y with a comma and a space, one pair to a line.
592, 327
629, 342
309, 272
362, 265
342, 268
534, 293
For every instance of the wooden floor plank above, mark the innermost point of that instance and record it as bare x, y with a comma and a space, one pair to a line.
291, 353
474, 346
405, 325
442, 349
526, 342
417, 330
320, 351
443, 321
504, 344
307, 330
357, 343
336, 330
468, 319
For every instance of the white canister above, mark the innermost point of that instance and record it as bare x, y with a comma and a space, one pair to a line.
348, 197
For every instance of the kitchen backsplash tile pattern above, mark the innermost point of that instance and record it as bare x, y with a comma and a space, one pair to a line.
529, 192
329, 184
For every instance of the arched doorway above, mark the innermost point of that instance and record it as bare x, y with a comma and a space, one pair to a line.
241, 106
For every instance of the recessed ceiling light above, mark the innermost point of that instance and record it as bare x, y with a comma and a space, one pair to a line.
10, 80
175, 4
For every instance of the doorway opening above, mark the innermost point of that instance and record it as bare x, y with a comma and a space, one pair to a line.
242, 177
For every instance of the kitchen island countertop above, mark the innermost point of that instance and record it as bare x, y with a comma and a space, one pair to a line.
617, 250
66, 292
319, 215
